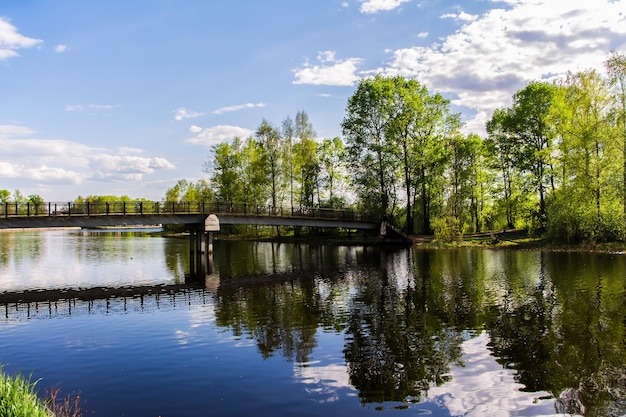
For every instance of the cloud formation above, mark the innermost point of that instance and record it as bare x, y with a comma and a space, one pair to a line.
238, 107
492, 55
332, 71
53, 161
11, 41
375, 6
217, 134
182, 114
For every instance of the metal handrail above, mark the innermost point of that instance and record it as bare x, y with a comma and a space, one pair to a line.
128, 208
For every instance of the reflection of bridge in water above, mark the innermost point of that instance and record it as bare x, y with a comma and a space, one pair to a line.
60, 302
104, 300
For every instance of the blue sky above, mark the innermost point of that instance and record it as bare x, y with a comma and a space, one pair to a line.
127, 97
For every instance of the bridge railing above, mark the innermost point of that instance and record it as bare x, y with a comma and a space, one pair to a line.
166, 207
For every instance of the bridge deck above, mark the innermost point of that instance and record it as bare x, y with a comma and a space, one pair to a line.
52, 215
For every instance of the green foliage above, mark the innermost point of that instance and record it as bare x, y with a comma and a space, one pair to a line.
448, 229
189, 191
18, 398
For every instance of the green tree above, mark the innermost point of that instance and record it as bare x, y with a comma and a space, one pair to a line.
531, 136
5, 196
501, 151
306, 159
270, 139
185, 190
588, 203
616, 68
468, 179
332, 154
226, 170
288, 157
370, 153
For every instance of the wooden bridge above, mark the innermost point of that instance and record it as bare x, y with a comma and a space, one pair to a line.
193, 214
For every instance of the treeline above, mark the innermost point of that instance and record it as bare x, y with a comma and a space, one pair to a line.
552, 162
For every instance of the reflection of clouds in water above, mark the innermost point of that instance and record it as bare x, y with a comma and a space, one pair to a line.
325, 380
483, 388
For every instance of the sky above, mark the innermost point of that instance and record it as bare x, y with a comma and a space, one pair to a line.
127, 97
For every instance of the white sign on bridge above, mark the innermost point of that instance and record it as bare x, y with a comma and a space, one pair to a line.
212, 224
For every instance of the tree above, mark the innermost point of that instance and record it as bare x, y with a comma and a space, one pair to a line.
588, 203
226, 171
616, 68
332, 154
5, 196
501, 150
467, 179
287, 132
270, 140
369, 113
189, 191
530, 136
306, 159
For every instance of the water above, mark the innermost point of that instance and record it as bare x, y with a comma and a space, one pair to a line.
305, 330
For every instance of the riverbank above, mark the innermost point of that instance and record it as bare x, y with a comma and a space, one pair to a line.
519, 240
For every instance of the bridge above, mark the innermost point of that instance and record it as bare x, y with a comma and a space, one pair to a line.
200, 219
128, 213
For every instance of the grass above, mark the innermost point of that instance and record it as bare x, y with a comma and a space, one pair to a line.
19, 399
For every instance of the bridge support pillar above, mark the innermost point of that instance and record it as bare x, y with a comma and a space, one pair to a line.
199, 253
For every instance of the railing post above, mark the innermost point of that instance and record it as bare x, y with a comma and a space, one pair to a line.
6, 209
88, 208
141, 207
69, 208
49, 212
124, 208
107, 208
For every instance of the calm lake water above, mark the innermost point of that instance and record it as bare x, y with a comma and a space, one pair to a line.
303, 330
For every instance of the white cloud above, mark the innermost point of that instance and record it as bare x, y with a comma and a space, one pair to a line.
11, 40
61, 49
195, 129
331, 72
182, 113
375, 6
55, 161
217, 134
96, 107
493, 55
14, 130
238, 107
460, 16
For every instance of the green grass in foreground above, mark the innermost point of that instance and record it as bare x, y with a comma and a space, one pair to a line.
18, 398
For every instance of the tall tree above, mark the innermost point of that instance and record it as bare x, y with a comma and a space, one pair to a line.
502, 154
269, 137
288, 157
368, 114
528, 126
590, 161
331, 154
616, 68
226, 169
306, 159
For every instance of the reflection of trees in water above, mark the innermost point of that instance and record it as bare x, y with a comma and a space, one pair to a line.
279, 295
558, 320
567, 336
400, 338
